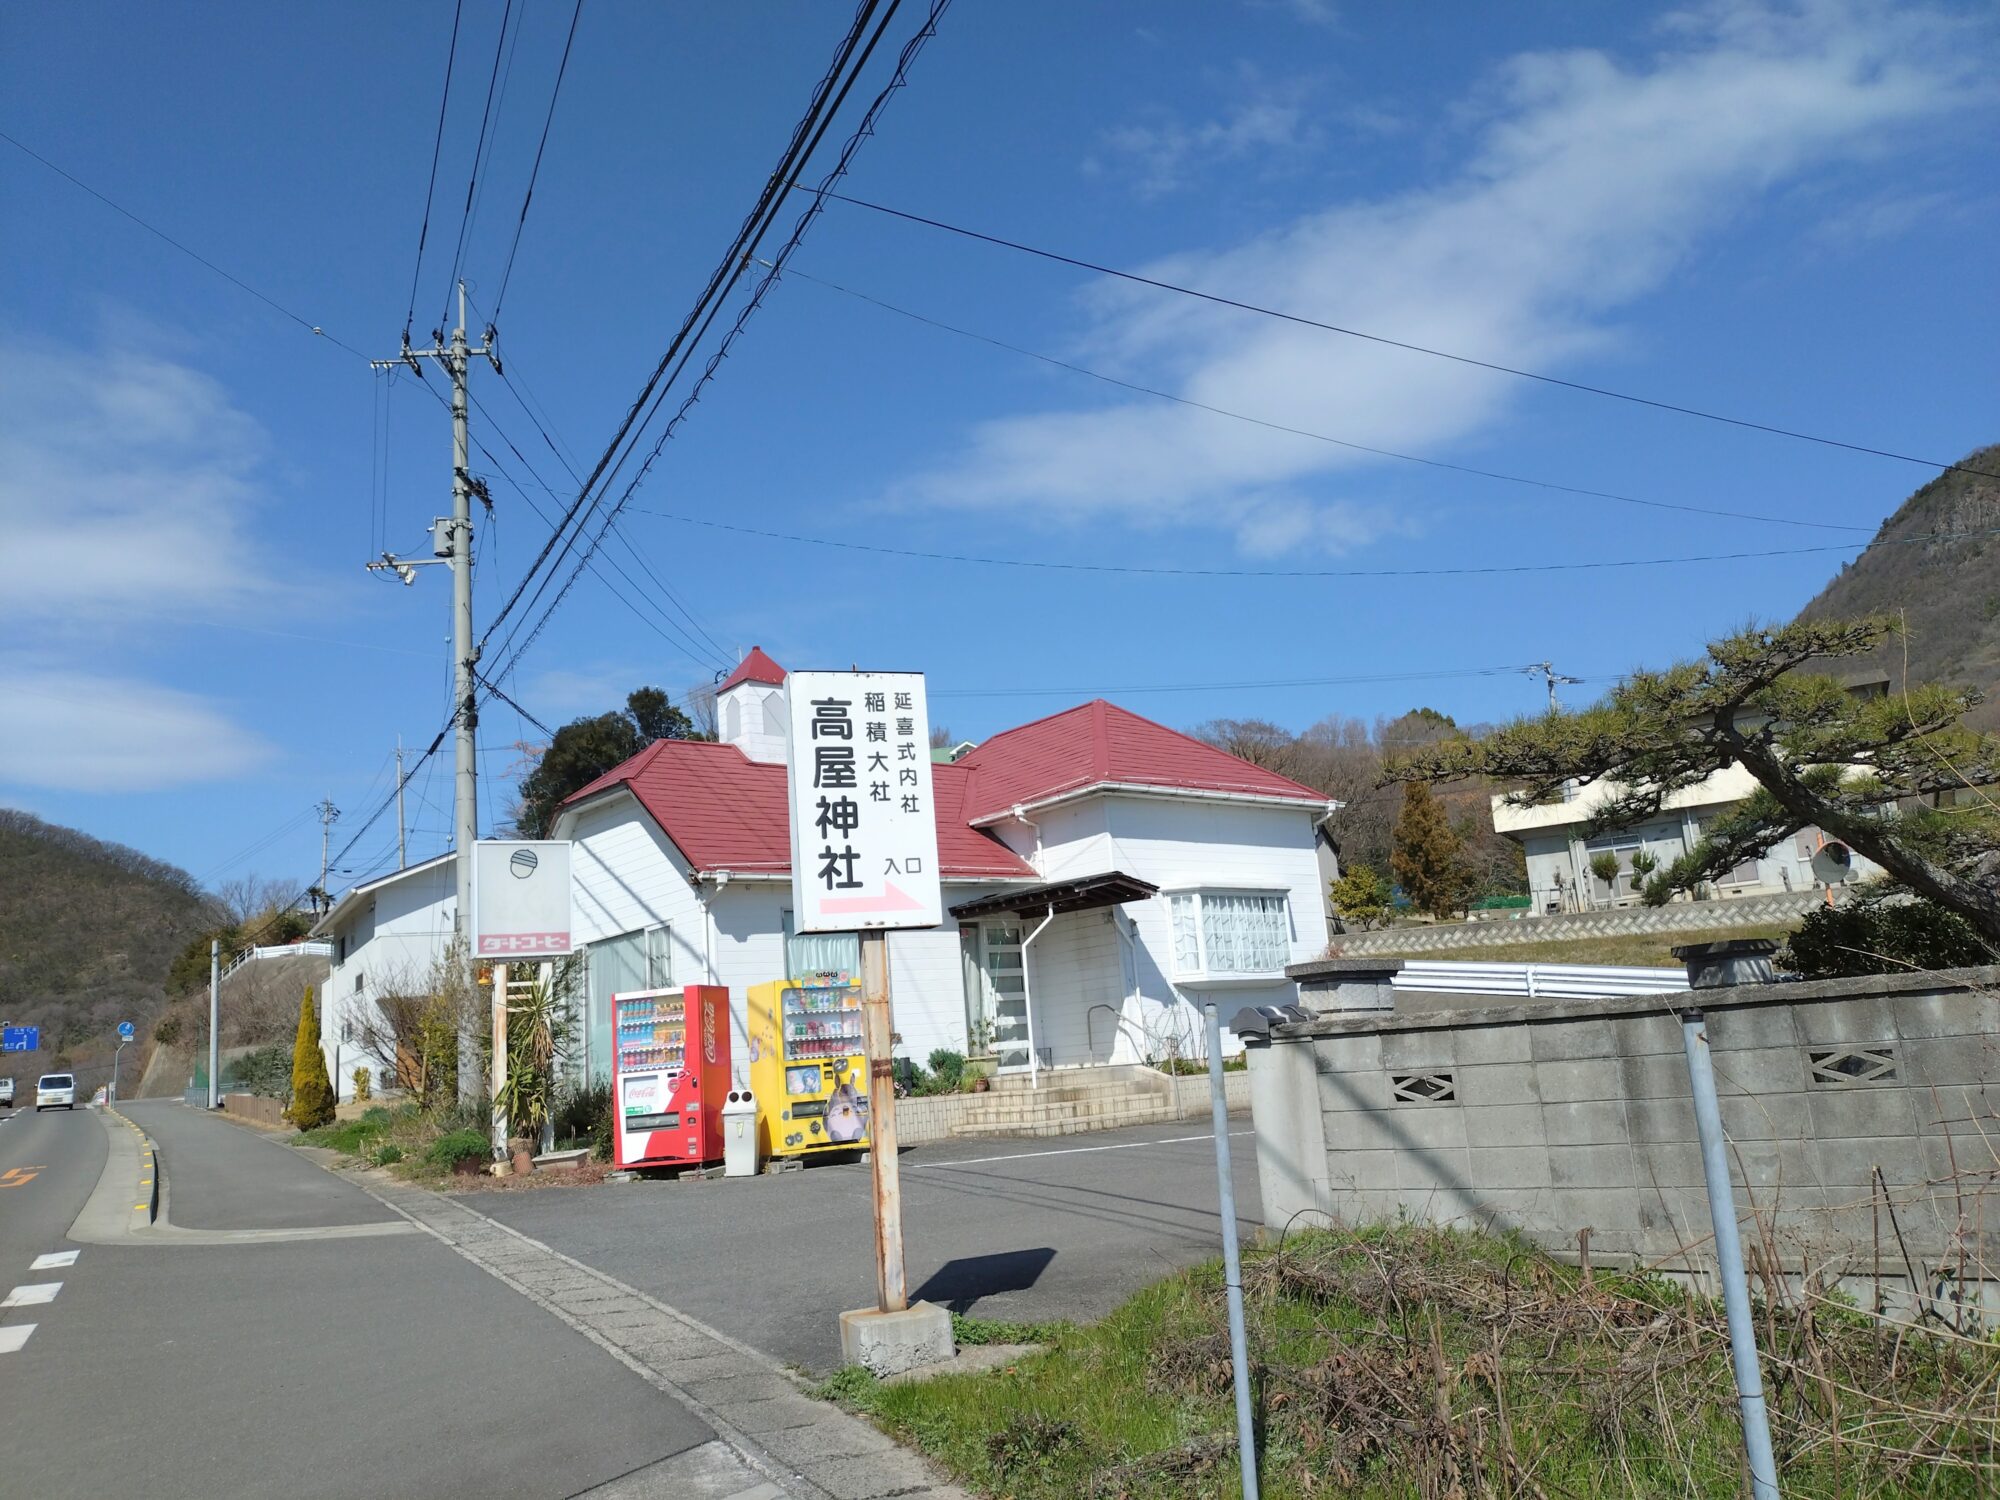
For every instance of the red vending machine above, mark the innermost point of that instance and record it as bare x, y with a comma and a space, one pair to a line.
670, 1075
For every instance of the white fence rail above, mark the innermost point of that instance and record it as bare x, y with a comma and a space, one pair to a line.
286, 950
1537, 981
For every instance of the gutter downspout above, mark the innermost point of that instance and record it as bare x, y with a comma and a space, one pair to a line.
1119, 922
1028, 997
1020, 815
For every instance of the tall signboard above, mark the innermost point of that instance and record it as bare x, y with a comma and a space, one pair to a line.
864, 831
521, 899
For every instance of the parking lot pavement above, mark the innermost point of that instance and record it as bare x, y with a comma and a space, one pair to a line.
1000, 1228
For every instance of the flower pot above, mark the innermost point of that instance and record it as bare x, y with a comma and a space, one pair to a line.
981, 1084
521, 1152
981, 1065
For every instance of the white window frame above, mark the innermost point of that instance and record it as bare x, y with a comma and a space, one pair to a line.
658, 943
1201, 975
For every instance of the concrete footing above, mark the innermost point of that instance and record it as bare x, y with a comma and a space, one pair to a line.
887, 1343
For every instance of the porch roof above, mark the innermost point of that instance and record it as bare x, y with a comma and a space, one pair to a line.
1061, 896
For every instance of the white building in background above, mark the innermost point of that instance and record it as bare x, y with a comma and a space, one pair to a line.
387, 936
1559, 855
1103, 875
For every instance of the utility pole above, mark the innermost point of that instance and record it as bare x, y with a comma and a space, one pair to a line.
327, 813
214, 1022
452, 544
402, 848
1546, 670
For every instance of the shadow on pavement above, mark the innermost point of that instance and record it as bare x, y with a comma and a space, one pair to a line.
960, 1283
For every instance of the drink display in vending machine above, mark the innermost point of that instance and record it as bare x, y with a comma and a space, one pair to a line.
670, 1075
807, 1067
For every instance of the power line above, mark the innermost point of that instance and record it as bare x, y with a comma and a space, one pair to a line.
1208, 687
536, 171
494, 689
493, 87
1143, 571
1393, 343
1321, 437
194, 255
437, 149
725, 275
897, 80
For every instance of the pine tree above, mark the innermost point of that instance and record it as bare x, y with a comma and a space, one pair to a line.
312, 1090
1428, 859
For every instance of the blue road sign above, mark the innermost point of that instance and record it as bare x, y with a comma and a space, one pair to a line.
124, 1031
20, 1038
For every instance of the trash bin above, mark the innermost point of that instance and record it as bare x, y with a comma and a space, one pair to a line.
739, 1134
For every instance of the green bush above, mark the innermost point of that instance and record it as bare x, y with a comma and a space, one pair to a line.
386, 1153
312, 1089
948, 1068
584, 1114
266, 1072
1883, 930
455, 1146
363, 1089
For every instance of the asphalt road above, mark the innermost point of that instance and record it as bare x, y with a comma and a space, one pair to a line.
340, 1367
1017, 1229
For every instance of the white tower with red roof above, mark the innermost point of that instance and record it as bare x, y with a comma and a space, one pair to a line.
750, 708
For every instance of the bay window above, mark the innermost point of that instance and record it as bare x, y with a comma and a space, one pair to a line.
1229, 934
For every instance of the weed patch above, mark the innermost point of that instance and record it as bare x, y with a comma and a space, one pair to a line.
1415, 1363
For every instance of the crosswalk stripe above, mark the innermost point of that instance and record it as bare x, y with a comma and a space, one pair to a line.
32, 1294
51, 1261
11, 1339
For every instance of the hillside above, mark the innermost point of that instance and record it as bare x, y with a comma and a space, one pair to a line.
1948, 591
87, 931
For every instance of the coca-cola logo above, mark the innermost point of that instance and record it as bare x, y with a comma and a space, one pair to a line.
708, 1027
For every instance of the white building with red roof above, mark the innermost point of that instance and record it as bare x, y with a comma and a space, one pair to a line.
1103, 875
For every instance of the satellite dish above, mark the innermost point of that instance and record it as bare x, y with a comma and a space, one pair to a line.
1832, 862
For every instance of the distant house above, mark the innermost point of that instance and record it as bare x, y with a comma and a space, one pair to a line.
1559, 856
386, 935
1102, 874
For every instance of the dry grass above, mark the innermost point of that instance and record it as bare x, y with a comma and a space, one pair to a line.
1426, 1364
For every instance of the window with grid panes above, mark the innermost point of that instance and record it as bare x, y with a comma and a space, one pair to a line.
1219, 934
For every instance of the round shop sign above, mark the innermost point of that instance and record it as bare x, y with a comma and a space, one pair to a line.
522, 863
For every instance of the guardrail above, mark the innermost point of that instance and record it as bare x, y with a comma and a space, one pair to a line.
282, 950
1537, 981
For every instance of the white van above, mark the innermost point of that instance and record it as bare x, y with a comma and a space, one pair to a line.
55, 1091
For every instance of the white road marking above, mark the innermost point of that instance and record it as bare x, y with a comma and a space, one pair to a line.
50, 1262
32, 1294
11, 1339
976, 1161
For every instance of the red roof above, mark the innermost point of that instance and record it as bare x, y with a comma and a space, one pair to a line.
725, 811
756, 667
1098, 742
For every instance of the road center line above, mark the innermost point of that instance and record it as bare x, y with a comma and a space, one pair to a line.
977, 1161
32, 1294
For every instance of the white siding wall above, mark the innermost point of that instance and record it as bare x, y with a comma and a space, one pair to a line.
1175, 843
393, 937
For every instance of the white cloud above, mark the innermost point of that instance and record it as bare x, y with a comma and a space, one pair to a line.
1589, 181
126, 479
87, 731
1167, 151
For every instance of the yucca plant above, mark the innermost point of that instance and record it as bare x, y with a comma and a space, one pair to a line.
541, 1041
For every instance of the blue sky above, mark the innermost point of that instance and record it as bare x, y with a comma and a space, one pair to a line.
1784, 213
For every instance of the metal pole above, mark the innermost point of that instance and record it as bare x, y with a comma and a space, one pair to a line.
214, 1023
1232, 1265
877, 1039
465, 784
402, 848
499, 1061
1729, 1260
116, 1053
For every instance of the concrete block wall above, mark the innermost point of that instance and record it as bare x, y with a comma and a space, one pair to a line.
1676, 916
1070, 1102
1551, 1123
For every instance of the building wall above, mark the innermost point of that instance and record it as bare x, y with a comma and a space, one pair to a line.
388, 944
1553, 1121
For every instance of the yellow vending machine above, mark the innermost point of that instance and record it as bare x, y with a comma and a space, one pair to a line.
807, 1067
